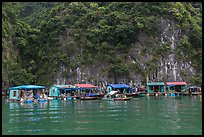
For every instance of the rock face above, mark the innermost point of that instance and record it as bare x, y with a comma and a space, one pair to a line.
84, 42
171, 67
167, 67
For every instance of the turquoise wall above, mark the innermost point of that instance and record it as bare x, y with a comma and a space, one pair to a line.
151, 91
54, 92
11, 93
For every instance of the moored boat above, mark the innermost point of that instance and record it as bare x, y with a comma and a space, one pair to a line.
88, 98
121, 98
115, 95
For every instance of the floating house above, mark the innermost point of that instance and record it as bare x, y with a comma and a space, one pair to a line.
25, 92
176, 86
59, 90
155, 87
123, 88
87, 89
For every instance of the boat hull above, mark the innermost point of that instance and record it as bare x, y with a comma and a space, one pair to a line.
88, 98
122, 99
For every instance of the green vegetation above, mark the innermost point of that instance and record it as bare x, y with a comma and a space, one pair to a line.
39, 37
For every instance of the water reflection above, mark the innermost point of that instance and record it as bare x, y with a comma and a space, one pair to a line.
14, 105
149, 115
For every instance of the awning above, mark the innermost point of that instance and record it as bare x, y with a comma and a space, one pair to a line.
118, 85
85, 86
27, 87
176, 83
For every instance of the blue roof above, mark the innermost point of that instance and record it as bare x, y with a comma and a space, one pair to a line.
132, 89
118, 85
70, 89
27, 87
193, 87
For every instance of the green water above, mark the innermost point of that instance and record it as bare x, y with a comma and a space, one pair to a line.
152, 115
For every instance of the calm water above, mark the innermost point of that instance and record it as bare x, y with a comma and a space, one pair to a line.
145, 115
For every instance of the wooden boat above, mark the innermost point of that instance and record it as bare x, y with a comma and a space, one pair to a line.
129, 94
88, 98
115, 95
122, 98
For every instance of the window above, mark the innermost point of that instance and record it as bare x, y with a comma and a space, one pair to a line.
14, 93
151, 87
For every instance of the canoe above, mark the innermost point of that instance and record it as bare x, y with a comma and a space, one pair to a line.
129, 94
88, 98
121, 98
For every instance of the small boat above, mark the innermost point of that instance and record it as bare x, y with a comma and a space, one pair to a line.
42, 100
88, 98
121, 98
129, 94
115, 95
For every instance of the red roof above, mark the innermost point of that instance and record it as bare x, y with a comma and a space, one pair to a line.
85, 86
176, 83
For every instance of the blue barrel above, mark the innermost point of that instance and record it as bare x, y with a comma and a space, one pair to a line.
172, 94
69, 98
41, 100
28, 101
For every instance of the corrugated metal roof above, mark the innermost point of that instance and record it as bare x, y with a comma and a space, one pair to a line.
193, 87
27, 87
176, 83
119, 85
85, 86
155, 83
64, 86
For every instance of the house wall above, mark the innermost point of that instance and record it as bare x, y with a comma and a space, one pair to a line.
149, 90
183, 87
109, 89
11, 94
53, 92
